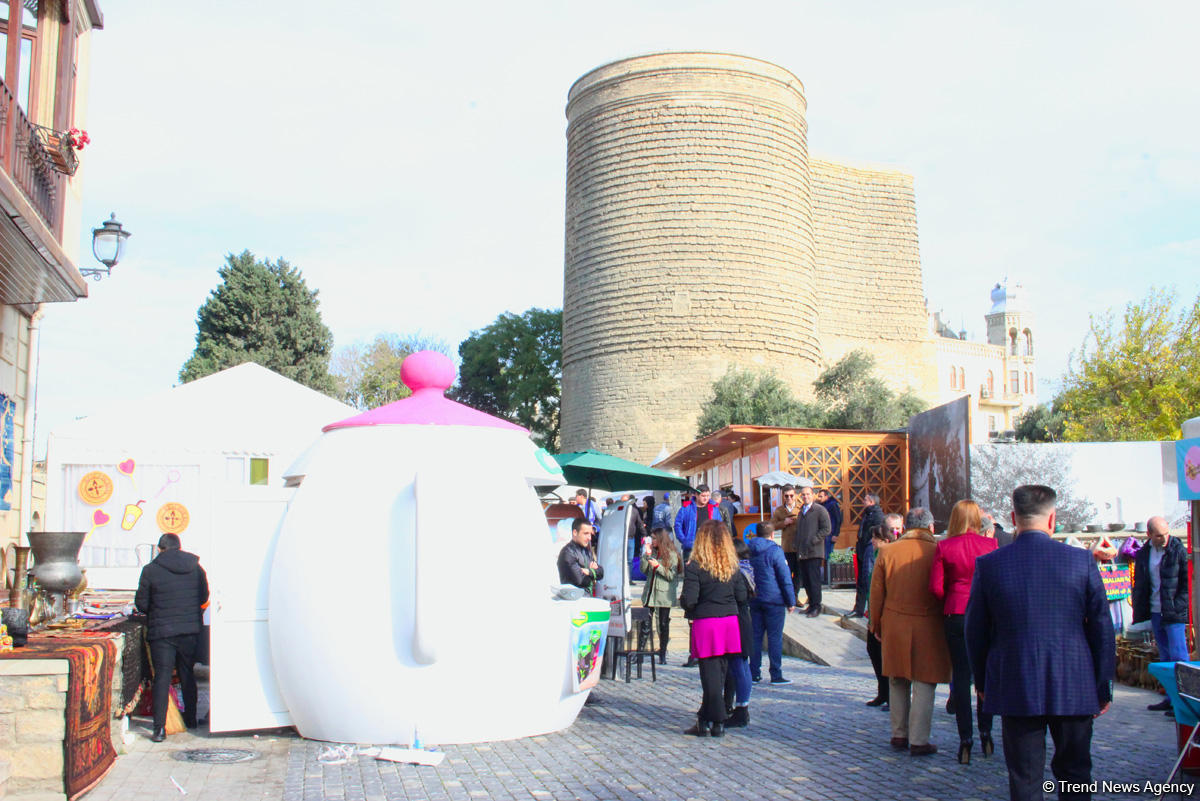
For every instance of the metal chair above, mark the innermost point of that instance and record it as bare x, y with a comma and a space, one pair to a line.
1187, 683
639, 617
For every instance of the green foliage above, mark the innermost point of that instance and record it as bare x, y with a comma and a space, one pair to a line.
853, 397
1042, 423
1136, 380
264, 313
367, 376
756, 398
849, 395
513, 369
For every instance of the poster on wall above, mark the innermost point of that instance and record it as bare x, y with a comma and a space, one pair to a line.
939, 468
1187, 469
126, 506
8, 411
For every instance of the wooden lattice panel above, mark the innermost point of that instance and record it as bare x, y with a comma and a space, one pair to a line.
851, 471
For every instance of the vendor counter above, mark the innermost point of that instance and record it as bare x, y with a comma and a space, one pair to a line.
59, 696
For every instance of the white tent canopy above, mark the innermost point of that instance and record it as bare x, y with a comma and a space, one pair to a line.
189, 445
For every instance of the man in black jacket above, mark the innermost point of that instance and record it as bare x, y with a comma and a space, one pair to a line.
872, 517
1160, 594
171, 591
576, 561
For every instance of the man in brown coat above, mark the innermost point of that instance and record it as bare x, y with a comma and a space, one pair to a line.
907, 618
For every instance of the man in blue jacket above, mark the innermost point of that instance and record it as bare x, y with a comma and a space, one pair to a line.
1042, 648
691, 516
774, 597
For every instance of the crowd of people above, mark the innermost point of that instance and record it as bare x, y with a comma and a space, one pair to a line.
1019, 615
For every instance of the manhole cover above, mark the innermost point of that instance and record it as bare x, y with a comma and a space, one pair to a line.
219, 756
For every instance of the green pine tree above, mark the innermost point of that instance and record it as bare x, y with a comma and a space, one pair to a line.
264, 313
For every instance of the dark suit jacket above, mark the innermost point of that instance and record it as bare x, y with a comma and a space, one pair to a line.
1038, 630
812, 530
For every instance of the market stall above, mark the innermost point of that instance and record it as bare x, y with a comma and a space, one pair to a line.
86, 671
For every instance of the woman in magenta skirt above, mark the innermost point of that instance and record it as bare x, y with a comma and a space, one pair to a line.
711, 594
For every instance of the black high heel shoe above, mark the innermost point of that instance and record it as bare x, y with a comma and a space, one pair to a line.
964, 752
986, 745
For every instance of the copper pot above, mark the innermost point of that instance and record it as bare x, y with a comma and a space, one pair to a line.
20, 570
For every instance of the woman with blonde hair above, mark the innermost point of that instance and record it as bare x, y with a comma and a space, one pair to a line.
712, 591
662, 564
950, 580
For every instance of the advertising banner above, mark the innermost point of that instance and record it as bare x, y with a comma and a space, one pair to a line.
1187, 469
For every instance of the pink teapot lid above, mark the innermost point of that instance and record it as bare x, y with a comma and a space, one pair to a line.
428, 374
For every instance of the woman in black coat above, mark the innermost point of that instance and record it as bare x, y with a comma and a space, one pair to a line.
713, 588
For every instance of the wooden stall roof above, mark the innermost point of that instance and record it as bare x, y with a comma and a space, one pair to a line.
731, 438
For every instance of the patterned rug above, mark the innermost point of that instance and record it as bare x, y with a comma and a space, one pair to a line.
88, 752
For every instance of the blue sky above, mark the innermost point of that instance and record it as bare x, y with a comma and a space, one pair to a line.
410, 158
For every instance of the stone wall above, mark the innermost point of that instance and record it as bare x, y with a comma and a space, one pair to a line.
33, 701
699, 236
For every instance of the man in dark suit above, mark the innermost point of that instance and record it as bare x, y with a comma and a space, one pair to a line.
1042, 648
812, 529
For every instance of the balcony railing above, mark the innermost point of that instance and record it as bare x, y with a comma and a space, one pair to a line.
24, 157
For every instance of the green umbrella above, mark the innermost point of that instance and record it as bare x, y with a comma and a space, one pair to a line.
613, 474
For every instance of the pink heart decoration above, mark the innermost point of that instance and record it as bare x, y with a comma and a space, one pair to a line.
99, 518
126, 467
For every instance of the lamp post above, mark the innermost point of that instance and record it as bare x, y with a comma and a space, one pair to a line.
108, 243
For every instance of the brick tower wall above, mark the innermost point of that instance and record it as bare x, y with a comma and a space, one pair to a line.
689, 215
870, 290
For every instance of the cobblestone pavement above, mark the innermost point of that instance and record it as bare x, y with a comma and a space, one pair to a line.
813, 739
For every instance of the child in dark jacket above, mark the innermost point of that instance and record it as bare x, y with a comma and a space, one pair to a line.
737, 680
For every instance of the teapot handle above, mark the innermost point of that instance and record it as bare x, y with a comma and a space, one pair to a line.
425, 560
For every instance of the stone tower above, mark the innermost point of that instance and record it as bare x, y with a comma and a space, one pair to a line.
1010, 325
687, 193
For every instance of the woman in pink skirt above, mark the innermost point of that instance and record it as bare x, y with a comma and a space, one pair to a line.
711, 594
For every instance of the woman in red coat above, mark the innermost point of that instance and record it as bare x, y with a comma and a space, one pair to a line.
950, 580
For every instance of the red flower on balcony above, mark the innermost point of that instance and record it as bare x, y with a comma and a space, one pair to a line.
76, 138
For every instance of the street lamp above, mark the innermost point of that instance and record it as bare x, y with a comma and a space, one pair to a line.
108, 242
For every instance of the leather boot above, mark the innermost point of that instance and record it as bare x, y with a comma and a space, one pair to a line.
739, 719
717, 730
159, 735
699, 729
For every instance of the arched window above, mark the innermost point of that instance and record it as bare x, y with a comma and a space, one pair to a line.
991, 383
953, 378
1012, 341
962, 378
1028, 342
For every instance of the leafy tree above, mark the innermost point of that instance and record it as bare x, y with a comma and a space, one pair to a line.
1136, 379
753, 397
262, 312
513, 369
854, 397
368, 375
1042, 423
848, 395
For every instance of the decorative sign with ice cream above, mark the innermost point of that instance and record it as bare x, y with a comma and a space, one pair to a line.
1187, 463
423, 511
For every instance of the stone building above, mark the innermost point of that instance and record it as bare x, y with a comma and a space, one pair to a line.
700, 234
999, 375
43, 95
